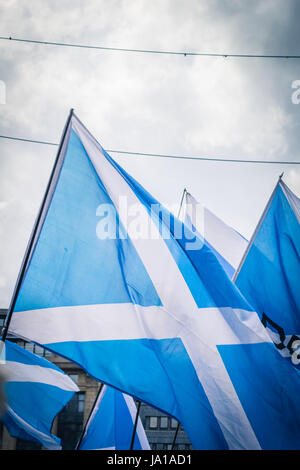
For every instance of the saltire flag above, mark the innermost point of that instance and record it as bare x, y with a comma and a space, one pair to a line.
226, 243
111, 286
111, 423
269, 274
36, 391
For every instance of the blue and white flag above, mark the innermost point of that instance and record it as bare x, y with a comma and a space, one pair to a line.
111, 423
114, 284
269, 275
227, 244
36, 391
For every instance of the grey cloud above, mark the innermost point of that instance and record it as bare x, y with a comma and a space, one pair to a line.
200, 106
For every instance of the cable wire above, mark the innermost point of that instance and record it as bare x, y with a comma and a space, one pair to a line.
152, 51
162, 155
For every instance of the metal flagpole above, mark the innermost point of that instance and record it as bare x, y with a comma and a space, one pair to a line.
181, 202
32, 237
135, 425
175, 436
257, 229
89, 418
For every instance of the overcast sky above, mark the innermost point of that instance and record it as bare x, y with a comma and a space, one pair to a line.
236, 108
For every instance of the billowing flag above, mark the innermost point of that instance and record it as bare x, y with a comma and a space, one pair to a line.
111, 423
36, 391
113, 283
269, 275
226, 243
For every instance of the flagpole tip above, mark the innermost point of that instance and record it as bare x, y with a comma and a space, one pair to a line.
280, 176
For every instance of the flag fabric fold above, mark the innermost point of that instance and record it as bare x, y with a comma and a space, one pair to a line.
270, 271
36, 391
111, 423
111, 286
227, 244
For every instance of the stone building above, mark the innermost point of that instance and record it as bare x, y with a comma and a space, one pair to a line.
68, 425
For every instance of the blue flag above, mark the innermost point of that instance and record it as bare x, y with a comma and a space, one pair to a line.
36, 391
111, 423
118, 285
269, 276
226, 243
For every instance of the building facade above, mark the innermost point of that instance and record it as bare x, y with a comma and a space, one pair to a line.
69, 424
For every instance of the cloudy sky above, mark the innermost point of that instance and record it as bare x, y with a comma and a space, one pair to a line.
217, 107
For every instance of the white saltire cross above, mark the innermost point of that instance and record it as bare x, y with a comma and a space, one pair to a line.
201, 330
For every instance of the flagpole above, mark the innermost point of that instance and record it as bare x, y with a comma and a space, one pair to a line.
33, 235
181, 202
135, 425
175, 436
89, 417
257, 229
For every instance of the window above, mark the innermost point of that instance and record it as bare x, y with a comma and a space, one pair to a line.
164, 422
27, 445
74, 377
70, 421
153, 421
181, 447
174, 423
168, 446
81, 398
29, 346
38, 350
76, 404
